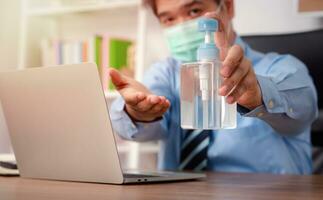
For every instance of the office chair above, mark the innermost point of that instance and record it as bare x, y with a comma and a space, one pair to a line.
308, 47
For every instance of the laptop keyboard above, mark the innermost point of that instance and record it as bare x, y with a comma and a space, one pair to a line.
8, 165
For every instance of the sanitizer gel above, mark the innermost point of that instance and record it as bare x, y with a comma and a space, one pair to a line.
201, 105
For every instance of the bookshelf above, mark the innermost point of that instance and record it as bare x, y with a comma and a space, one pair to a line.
42, 19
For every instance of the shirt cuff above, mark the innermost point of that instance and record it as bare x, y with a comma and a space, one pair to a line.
260, 112
242, 110
272, 102
125, 126
149, 130
129, 128
271, 97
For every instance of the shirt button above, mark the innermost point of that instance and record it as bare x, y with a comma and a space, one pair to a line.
271, 104
260, 114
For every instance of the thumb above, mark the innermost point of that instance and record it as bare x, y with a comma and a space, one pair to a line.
117, 79
222, 43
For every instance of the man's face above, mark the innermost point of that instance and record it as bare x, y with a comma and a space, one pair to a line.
172, 12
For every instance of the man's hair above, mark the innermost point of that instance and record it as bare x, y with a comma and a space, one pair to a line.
152, 4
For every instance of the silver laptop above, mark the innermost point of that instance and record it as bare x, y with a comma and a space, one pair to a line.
60, 127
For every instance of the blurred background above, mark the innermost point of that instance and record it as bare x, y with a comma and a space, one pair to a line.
120, 34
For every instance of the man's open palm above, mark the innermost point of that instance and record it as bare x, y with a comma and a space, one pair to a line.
141, 104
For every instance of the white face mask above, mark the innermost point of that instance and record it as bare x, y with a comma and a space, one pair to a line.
184, 39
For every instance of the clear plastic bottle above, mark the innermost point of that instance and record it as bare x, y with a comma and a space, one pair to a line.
201, 105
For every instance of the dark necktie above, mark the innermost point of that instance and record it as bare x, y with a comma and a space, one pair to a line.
194, 150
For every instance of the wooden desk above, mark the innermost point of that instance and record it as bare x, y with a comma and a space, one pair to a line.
217, 186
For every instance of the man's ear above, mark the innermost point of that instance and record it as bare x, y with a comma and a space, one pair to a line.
229, 5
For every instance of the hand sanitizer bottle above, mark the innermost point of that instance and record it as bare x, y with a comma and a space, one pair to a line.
201, 105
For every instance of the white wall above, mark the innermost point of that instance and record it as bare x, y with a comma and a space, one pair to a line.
9, 22
271, 16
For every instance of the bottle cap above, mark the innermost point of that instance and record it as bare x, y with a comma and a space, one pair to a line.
208, 25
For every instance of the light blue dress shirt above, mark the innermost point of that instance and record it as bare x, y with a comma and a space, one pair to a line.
273, 138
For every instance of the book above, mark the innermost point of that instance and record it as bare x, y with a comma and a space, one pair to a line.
105, 62
103, 50
118, 55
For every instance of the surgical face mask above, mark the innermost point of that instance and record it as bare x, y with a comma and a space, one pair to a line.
184, 39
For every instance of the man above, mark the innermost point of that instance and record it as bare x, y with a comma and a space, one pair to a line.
275, 95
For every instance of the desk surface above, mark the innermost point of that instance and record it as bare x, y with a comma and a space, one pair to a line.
216, 186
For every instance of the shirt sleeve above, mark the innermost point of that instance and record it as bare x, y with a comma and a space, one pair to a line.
288, 93
158, 80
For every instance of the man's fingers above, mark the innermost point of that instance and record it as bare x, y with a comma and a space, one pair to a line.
133, 98
232, 61
156, 108
245, 84
240, 72
117, 79
152, 107
236, 94
165, 106
147, 104
153, 99
160, 106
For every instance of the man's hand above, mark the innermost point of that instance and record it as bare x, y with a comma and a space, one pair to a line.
240, 82
141, 104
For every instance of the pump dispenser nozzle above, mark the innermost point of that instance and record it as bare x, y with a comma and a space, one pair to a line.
206, 52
